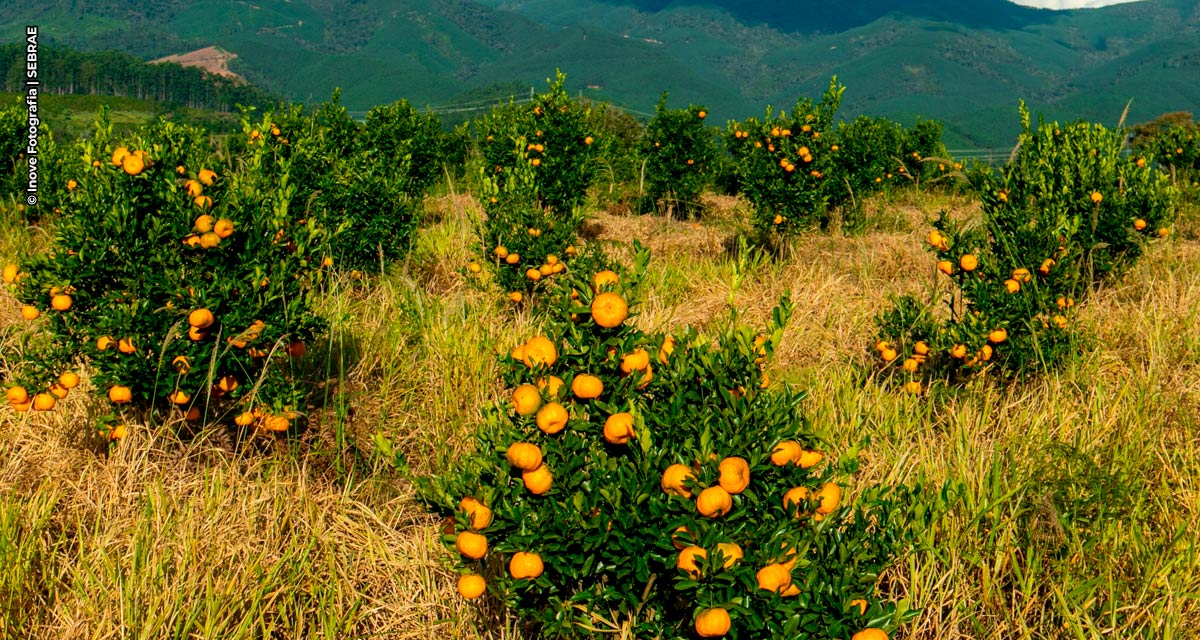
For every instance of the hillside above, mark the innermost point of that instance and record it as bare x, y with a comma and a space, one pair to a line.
964, 65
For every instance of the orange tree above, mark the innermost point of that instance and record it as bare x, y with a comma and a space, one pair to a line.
784, 164
1177, 150
657, 481
180, 282
1068, 214
557, 138
679, 153
14, 162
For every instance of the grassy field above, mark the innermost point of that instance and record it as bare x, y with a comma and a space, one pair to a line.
1063, 507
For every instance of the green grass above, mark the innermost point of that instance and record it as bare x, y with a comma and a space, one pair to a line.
1062, 507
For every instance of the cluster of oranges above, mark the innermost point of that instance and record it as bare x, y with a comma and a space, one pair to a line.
551, 266
19, 397
207, 232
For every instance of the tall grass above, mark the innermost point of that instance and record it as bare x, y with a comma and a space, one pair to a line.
1062, 507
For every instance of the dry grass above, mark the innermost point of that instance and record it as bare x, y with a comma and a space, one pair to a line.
1074, 498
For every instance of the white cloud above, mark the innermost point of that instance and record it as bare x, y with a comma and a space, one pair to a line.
1070, 4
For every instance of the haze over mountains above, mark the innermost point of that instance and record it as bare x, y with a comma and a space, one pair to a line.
966, 63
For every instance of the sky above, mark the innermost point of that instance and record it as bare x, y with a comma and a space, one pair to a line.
1069, 4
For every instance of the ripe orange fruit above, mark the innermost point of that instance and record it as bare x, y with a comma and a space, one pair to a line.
735, 474
809, 458
680, 536
997, 336
1164, 232
586, 386
125, 345
937, 240
958, 351
43, 402
552, 418
193, 188
732, 553
1139, 224
58, 391
210, 240
512, 258
538, 481
1012, 286
245, 419
133, 164
201, 318
910, 365
178, 397
870, 634
552, 386
946, 267
118, 156
23, 407
227, 383
913, 387
69, 380
516, 296
636, 360
10, 273
618, 428
786, 452
501, 252
474, 267
60, 302
604, 278
829, 497
889, 354
774, 577
204, 223
196, 334
525, 564
712, 623
540, 350
223, 228
480, 516
30, 312
920, 348
861, 604
687, 560
1021, 275
673, 480
714, 502
120, 394
968, 262
526, 399
609, 310
1096, 197
524, 456
588, 140
533, 275
204, 202
207, 176
471, 586
701, 114
17, 395
793, 500
471, 545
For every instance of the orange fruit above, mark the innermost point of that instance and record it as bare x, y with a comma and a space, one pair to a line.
609, 310
524, 456
539, 350
471, 544
829, 497
178, 397
786, 452
60, 302
133, 164
1012, 286
946, 267
673, 480
501, 252
985, 353
69, 380
809, 458
552, 385
637, 360
712, 623
44, 402
223, 228
533, 275
552, 418
526, 399
889, 354
968, 262
913, 387
1021, 275
275, 424
227, 383
1045, 268
920, 348
59, 391
471, 586
679, 537
210, 240
687, 560
30, 312
196, 334
586, 386
870, 634
118, 156
618, 428
480, 516
474, 267
1164, 232
1139, 224
207, 176
120, 394
774, 577
244, 419
910, 365
201, 318
125, 345
735, 474
603, 278
525, 564
714, 502
513, 258
732, 553
937, 240
861, 604
537, 481
958, 351
193, 188
701, 114
23, 407
997, 336
793, 500
204, 223
204, 202
10, 273
17, 395
1097, 197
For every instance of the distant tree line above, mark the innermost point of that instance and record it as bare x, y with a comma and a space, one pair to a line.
66, 71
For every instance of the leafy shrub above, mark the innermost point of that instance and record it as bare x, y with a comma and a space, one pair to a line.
1176, 146
14, 162
680, 154
877, 154
558, 142
1069, 213
412, 144
784, 164
618, 157
654, 483
180, 284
